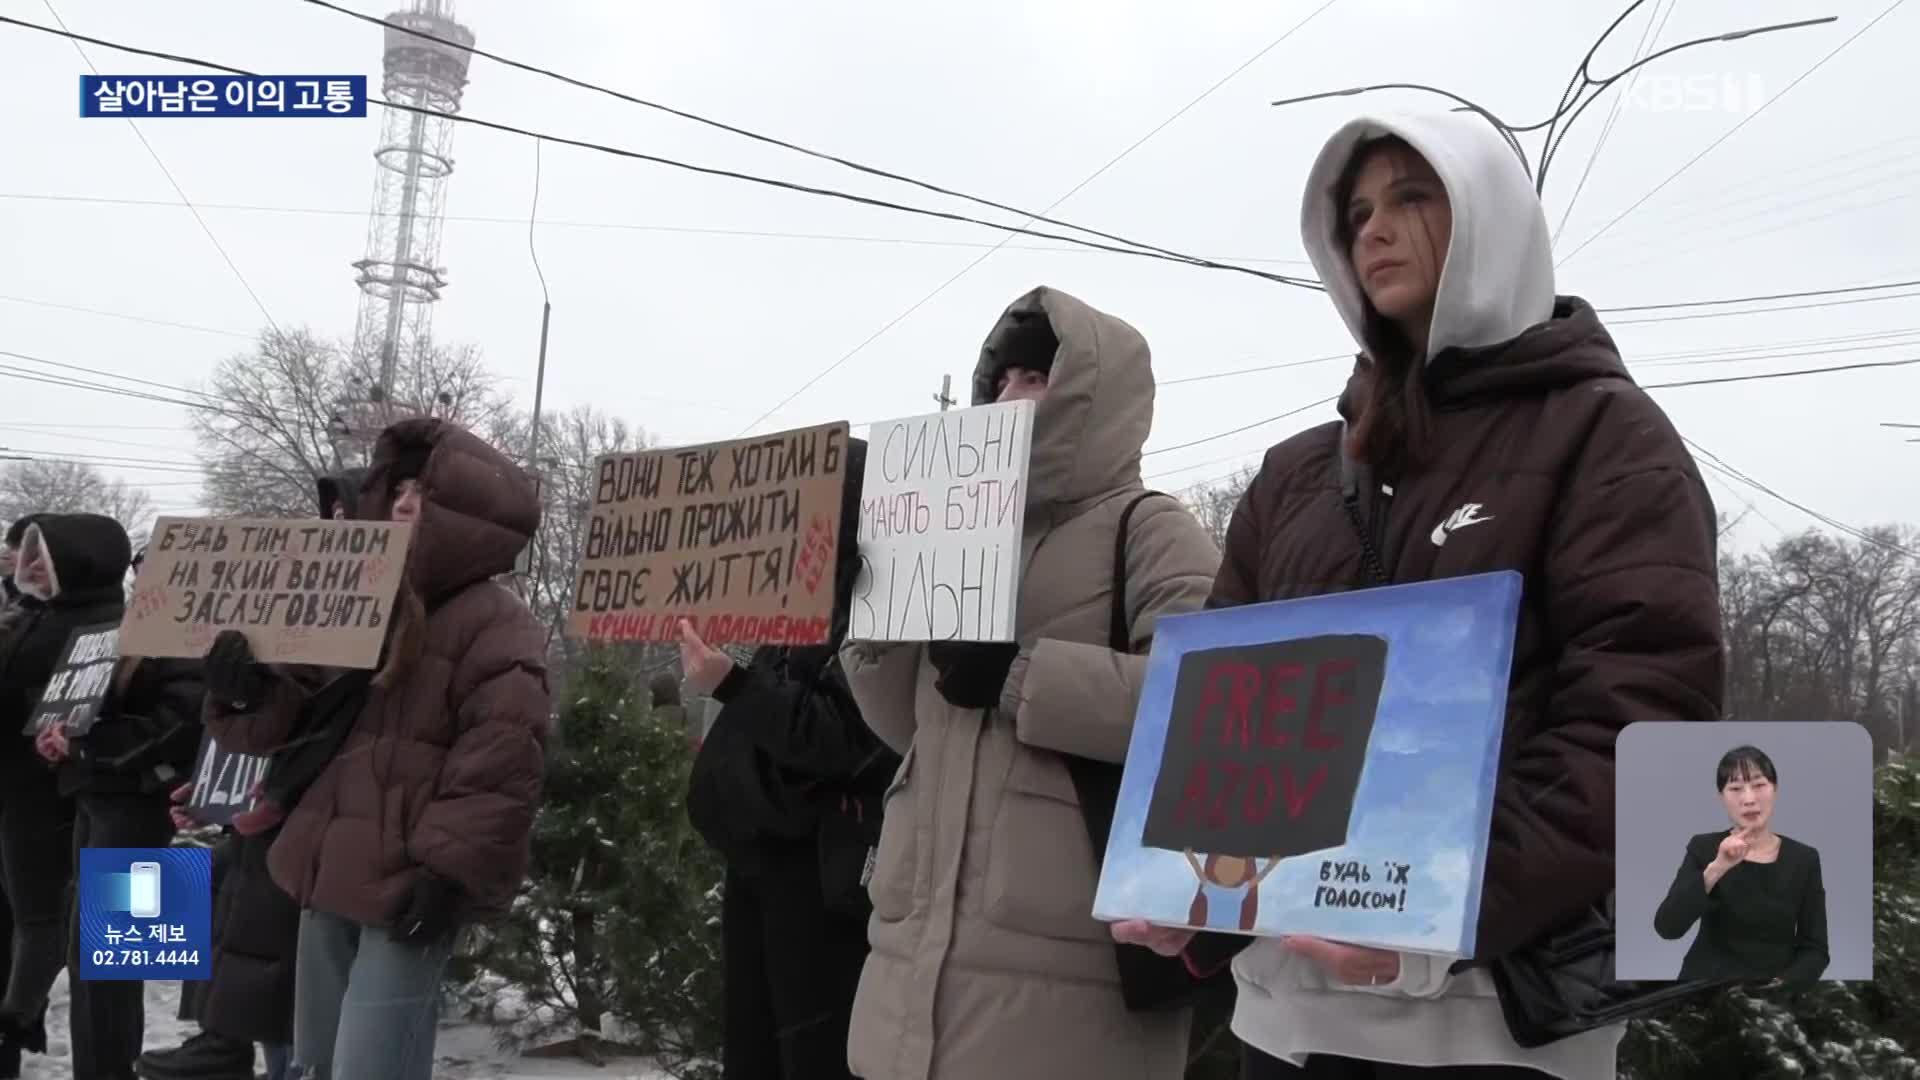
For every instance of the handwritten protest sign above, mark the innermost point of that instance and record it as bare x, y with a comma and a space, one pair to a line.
78, 689
223, 782
303, 591
1324, 766
740, 538
941, 512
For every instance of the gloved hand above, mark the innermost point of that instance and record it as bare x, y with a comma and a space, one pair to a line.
972, 675
234, 678
428, 912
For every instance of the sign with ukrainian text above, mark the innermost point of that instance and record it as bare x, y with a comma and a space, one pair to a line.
145, 914
78, 688
222, 95
1321, 767
304, 591
223, 783
740, 538
941, 512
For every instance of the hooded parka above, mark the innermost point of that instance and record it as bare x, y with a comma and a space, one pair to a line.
441, 771
987, 960
1529, 449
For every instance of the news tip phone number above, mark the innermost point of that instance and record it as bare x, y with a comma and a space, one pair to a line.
139, 958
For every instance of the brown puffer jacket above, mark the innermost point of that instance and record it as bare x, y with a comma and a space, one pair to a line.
443, 770
1539, 455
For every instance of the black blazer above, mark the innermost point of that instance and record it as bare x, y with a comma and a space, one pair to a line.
1761, 921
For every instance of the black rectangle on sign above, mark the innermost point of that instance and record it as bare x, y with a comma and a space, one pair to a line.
223, 783
78, 687
1265, 746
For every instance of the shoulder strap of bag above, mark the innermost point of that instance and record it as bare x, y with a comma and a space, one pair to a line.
1120, 626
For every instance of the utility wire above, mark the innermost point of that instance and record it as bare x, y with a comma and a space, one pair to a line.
1857, 533
122, 315
1763, 311
1070, 193
707, 170
75, 39
760, 234
1652, 34
389, 27
1744, 121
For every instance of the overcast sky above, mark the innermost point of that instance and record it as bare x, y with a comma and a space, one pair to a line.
674, 308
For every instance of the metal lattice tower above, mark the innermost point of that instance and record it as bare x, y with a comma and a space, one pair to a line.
398, 278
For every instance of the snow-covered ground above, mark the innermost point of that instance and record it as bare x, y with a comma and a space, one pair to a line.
465, 1051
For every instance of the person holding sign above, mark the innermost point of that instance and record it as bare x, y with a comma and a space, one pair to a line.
74, 566
986, 959
421, 823
119, 772
788, 788
1490, 425
1756, 895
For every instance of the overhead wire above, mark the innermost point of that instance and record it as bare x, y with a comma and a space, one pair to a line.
388, 27
984, 256
75, 39
1729, 133
708, 170
1651, 34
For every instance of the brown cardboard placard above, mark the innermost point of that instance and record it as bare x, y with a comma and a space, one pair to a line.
739, 537
304, 591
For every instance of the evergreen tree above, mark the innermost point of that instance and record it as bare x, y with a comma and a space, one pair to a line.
1834, 1030
619, 916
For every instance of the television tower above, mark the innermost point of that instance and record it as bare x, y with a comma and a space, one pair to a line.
398, 278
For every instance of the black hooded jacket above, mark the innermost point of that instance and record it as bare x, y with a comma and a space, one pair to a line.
789, 744
90, 555
341, 489
147, 734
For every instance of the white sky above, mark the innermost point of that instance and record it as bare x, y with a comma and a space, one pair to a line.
693, 334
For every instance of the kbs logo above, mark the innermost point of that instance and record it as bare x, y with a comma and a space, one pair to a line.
1695, 93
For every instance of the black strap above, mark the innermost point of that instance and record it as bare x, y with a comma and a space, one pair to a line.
1148, 981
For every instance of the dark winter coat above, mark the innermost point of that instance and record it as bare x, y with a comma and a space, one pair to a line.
90, 555
442, 771
256, 930
147, 733
789, 743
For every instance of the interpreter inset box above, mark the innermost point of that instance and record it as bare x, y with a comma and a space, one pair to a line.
1744, 850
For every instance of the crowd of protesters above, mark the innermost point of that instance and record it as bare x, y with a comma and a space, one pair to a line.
912, 832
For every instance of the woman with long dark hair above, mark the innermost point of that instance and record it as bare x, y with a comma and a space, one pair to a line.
1489, 425
419, 822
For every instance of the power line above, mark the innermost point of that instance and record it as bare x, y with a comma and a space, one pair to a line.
1783, 374
121, 315
1146, 252
1328, 400
1765, 311
1744, 121
389, 27
547, 223
1651, 34
985, 255
168, 173
1774, 296
1857, 533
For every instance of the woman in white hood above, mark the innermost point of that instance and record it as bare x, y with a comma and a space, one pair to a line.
1490, 425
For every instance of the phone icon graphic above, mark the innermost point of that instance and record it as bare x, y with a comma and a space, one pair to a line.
143, 894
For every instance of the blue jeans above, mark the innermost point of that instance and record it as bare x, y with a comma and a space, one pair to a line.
279, 1057
364, 1005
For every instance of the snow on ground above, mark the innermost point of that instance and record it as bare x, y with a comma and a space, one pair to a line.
465, 1051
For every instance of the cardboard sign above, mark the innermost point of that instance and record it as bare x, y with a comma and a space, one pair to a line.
740, 538
223, 782
1323, 767
80, 682
1264, 747
304, 591
941, 513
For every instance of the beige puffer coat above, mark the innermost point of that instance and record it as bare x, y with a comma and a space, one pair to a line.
987, 963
